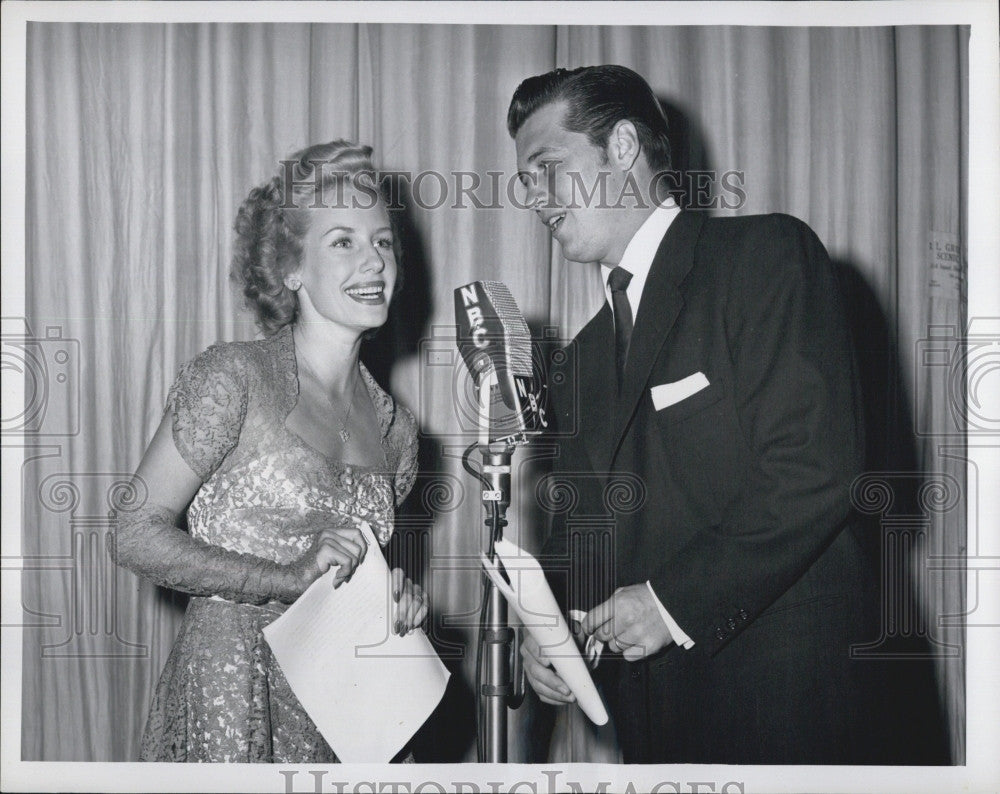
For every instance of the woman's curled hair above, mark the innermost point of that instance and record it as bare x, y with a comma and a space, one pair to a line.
273, 219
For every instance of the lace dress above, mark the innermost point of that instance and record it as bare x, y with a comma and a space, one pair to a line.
266, 492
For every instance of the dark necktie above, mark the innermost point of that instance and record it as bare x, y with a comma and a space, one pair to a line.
618, 282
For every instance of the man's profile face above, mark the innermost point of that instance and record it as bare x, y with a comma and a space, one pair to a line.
563, 172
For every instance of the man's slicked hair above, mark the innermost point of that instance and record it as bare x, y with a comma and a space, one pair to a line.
597, 98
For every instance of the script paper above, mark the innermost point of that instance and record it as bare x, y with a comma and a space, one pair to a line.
366, 689
530, 596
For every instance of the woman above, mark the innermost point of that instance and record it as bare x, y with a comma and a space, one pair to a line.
279, 449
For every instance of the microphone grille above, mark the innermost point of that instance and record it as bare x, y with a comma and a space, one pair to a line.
517, 335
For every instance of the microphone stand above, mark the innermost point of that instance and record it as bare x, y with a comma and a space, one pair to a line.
496, 639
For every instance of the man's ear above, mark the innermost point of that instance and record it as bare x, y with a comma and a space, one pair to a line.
623, 145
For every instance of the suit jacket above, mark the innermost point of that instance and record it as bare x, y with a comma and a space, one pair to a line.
734, 503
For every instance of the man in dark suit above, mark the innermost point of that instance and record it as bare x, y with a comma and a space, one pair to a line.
715, 393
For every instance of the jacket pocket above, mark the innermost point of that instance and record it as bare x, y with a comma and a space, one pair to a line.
690, 406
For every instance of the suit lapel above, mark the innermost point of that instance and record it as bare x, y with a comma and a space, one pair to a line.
596, 395
658, 309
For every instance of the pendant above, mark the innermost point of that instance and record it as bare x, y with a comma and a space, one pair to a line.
344, 435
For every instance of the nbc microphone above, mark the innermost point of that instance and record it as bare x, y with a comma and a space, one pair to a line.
495, 344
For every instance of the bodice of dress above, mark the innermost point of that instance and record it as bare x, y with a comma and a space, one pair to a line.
265, 490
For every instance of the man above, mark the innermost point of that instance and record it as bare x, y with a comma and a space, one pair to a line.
717, 383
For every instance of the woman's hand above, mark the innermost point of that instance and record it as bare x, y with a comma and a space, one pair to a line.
411, 602
343, 546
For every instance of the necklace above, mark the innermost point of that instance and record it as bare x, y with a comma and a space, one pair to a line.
344, 433
345, 436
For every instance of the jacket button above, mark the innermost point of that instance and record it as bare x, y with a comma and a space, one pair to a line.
731, 623
635, 674
720, 634
743, 614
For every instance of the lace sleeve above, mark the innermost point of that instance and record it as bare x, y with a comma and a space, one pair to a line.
405, 441
208, 403
148, 541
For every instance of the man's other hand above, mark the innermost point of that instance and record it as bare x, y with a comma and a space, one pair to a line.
630, 623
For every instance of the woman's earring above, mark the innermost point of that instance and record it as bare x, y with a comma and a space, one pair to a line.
293, 284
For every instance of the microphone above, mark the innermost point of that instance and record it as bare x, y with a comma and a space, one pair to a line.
495, 344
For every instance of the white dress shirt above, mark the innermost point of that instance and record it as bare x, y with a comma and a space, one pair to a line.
637, 260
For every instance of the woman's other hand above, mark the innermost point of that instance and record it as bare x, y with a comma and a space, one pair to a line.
336, 546
412, 606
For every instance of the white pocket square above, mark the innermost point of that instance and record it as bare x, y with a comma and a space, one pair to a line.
667, 394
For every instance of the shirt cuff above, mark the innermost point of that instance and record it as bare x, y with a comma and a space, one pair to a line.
676, 633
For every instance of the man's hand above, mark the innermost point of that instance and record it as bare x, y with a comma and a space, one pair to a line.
543, 679
629, 622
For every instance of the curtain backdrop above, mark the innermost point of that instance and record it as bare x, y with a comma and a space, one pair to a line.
144, 139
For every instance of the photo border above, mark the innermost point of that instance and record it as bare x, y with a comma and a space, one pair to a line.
982, 769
